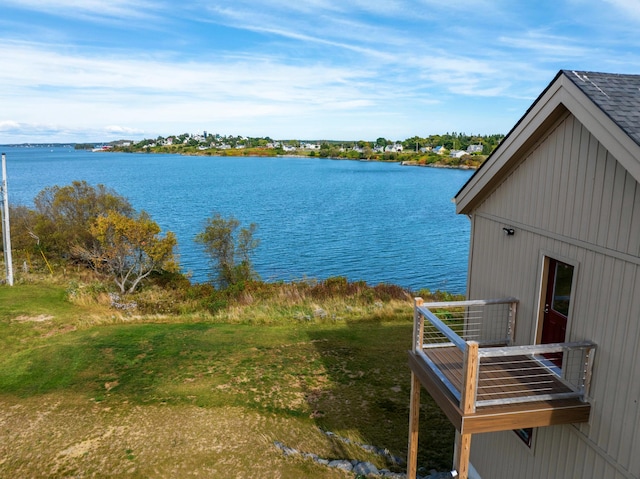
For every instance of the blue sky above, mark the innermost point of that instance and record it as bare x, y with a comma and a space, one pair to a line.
94, 70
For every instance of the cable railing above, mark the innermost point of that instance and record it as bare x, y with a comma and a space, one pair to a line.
469, 345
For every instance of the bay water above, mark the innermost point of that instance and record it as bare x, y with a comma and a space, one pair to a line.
317, 218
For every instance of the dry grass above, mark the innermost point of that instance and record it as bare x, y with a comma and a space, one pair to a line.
60, 435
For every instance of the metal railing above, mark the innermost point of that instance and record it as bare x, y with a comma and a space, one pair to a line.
469, 345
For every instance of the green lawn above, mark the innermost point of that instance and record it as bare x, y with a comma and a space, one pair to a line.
210, 387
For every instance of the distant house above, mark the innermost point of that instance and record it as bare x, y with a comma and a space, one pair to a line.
439, 150
474, 149
548, 386
457, 153
395, 148
310, 146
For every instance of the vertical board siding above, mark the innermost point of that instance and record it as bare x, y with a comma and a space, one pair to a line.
570, 186
585, 195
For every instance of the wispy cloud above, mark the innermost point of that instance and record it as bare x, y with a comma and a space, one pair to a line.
96, 10
628, 7
128, 67
547, 46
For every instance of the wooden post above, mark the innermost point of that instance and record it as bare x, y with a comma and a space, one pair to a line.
461, 458
468, 406
414, 422
511, 336
414, 403
418, 326
470, 378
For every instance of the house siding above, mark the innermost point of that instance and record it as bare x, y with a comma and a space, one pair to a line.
568, 198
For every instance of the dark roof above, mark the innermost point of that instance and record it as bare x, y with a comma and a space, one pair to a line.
617, 95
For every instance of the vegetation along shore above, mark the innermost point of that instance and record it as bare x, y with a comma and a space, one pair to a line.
117, 364
455, 150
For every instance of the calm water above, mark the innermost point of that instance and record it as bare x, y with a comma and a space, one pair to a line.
316, 218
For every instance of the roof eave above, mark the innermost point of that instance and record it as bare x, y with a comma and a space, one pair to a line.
561, 95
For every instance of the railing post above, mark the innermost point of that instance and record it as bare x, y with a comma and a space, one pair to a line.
470, 378
418, 326
588, 367
513, 308
470, 367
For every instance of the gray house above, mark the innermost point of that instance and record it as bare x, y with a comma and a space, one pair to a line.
539, 370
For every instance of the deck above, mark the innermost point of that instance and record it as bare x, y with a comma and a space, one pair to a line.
505, 408
463, 354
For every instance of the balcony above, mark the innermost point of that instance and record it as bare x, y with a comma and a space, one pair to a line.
463, 353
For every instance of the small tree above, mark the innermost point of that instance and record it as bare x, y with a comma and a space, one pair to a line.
229, 248
64, 214
130, 249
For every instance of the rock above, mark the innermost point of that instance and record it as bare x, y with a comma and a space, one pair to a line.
365, 469
341, 464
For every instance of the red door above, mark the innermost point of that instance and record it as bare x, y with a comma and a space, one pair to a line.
556, 307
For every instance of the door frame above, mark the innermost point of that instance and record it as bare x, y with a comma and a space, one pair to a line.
543, 275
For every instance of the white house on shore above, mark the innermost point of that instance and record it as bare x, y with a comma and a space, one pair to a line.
555, 232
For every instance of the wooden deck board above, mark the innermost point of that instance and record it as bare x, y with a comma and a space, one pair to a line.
500, 378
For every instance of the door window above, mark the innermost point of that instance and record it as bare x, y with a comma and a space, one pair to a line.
562, 288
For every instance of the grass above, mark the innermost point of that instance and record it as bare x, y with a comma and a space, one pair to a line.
85, 391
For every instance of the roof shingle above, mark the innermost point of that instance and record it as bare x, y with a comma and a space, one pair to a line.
617, 95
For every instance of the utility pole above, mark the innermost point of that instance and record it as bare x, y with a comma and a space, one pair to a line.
4, 216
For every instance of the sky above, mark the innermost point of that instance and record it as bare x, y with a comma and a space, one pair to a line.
95, 71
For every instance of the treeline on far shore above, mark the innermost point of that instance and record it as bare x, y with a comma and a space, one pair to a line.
450, 149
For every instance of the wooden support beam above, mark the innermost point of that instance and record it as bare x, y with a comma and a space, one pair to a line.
414, 421
462, 454
470, 378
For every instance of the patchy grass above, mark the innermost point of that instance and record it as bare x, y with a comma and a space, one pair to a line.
174, 396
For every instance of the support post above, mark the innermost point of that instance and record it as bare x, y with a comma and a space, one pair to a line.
6, 231
414, 404
462, 454
468, 405
414, 422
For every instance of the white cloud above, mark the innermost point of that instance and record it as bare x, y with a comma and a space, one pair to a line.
547, 46
628, 7
273, 62
97, 10
9, 125
122, 130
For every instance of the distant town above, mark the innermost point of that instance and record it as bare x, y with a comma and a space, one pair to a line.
450, 149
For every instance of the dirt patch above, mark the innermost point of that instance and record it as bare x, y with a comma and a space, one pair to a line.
33, 319
81, 438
